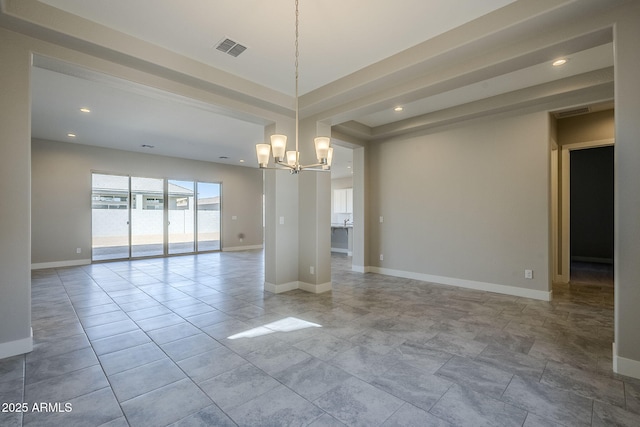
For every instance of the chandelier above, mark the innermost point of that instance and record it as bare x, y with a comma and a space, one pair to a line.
291, 159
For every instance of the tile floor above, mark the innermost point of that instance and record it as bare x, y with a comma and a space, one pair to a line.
194, 341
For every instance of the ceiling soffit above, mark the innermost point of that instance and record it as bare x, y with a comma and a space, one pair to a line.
519, 35
455, 69
35, 19
593, 87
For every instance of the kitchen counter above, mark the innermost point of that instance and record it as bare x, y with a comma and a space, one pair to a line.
341, 238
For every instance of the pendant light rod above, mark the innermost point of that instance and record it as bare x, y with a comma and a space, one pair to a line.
291, 159
296, 78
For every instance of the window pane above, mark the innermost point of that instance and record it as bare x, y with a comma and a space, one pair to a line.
208, 216
181, 216
109, 217
147, 231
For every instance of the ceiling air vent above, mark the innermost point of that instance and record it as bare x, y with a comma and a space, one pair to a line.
231, 47
574, 112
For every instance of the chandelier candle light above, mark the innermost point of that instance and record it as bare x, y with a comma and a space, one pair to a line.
291, 159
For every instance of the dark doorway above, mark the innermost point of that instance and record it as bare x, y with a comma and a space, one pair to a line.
592, 227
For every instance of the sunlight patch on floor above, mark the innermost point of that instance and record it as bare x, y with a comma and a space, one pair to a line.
287, 324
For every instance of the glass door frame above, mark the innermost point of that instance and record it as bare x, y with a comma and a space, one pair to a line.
197, 229
147, 197
196, 249
194, 220
128, 257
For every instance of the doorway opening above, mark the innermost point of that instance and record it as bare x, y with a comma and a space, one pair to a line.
348, 207
342, 205
582, 192
591, 215
585, 237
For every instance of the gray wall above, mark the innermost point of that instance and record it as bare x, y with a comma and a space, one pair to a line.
61, 195
470, 203
586, 127
15, 198
15, 162
627, 196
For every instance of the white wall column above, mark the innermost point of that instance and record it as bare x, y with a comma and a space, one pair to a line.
15, 192
281, 231
360, 257
298, 221
281, 221
314, 240
315, 231
626, 357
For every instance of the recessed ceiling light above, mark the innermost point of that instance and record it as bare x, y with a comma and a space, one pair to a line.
559, 62
147, 146
241, 161
398, 109
85, 110
71, 135
348, 167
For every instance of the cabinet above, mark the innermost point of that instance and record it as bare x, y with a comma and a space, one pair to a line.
343, 200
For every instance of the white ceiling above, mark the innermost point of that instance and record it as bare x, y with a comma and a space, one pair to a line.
591, 59
332, 45
126, 116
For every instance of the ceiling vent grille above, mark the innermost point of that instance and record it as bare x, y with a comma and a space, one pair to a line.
230, 47
574, 112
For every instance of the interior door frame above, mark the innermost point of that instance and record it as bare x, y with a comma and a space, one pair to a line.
564, 247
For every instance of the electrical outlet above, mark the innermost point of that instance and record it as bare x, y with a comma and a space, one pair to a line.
78, 250
312, 270
528, 274
381, 257
381, 219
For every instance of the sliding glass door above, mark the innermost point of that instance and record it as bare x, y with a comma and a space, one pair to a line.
181, 216
110, 217
135, 217
147, 217
208, 216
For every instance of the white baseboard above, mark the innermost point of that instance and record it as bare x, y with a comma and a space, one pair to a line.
360, 268
624, 366
286, 287
278, 289
469, 284
14, 348
76, 262
59, 264
316, 289
241, 248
